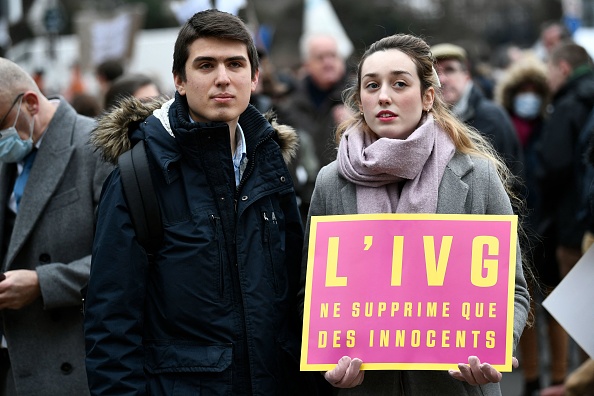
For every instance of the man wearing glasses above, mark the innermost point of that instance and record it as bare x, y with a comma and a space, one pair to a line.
50, 182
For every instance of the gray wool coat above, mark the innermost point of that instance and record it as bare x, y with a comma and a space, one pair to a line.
470, 185
53, 234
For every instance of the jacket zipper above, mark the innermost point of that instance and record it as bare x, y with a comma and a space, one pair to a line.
250, 169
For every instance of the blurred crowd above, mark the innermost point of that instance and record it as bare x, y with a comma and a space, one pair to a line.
536, 108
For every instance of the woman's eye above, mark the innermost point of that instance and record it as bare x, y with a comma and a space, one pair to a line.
371, 85
400, 84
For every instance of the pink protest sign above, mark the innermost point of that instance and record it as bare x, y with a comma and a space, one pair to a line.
404, 291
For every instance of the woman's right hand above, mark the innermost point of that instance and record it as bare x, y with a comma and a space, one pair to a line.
346, 374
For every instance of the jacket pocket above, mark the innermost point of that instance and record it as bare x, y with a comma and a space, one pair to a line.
184, 368
267, 247
272, 245
172, 357
63, 199
218, 235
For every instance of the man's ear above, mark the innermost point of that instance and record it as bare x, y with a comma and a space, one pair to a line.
31, 100
565, 67
255, 80
180, 84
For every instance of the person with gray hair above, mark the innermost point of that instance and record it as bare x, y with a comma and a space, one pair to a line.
50, 183
315, 107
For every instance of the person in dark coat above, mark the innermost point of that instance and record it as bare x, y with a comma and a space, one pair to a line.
571, 79
561, 158
216, 311
467, 101
315, 109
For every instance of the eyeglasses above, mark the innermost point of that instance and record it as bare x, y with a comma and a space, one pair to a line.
11, 106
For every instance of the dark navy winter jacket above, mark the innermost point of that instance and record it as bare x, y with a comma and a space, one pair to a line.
560, 156
216, 313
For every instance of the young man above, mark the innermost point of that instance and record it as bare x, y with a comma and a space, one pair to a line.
216, 311
571, 80
50, 182
561, 171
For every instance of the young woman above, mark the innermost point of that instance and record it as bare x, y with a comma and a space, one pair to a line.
404, 152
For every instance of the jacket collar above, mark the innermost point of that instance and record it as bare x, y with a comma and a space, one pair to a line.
133, 120
581, 84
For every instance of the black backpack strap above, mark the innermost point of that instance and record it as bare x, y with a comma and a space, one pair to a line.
140, 194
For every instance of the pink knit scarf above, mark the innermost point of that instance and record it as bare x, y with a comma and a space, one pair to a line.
394, 175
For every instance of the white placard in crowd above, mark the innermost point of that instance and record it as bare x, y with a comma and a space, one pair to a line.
570, 302
110, 38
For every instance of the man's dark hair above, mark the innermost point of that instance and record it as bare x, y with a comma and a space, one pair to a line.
86, 104
572, 53
211, 23
126, 86
110, 69
564, 33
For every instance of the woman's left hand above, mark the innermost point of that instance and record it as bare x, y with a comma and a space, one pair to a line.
477, 373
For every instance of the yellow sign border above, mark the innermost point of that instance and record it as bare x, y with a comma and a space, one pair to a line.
314, 220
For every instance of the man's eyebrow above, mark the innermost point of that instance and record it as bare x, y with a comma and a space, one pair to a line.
213, 59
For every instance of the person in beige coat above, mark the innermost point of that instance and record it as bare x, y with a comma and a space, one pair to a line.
404, 152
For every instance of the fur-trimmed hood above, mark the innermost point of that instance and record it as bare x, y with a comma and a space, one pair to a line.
112, 134
528, 70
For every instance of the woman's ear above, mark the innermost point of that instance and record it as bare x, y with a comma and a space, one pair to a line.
428, 98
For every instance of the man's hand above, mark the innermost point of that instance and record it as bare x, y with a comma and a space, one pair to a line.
19, 289
476, 373
346, 374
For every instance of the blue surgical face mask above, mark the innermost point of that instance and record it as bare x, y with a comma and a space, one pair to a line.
527, 105
12, 147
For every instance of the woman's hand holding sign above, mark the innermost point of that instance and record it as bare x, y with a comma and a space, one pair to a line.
346, 374
476, 373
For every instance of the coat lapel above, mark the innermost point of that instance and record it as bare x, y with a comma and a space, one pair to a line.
453, 191
6, 181
48, 170
348, 195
